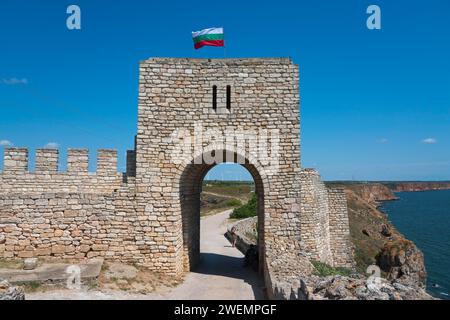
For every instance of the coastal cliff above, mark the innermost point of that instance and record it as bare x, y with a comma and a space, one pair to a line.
416, 186
375, 192
376, 240
372, 193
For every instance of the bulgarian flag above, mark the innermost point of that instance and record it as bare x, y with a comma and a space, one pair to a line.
208, 37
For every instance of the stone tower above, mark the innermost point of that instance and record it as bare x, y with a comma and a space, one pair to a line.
192, 115
192, 111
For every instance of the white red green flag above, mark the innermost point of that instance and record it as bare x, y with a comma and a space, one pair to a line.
208, 37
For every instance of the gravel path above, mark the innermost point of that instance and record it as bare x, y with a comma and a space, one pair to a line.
220, 274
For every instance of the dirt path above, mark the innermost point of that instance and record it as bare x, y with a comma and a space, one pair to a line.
220, 274
241, 197
219, 195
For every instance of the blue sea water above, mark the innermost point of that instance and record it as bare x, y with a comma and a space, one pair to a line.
424, 218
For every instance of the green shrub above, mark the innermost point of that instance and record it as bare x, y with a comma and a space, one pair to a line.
324, 270
247, 210
233, 203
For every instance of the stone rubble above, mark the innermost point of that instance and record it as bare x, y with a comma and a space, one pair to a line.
8, 292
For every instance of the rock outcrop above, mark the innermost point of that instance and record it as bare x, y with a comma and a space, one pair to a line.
8, 292
376, 240
348, 288
291, 276
372, 193
403, 262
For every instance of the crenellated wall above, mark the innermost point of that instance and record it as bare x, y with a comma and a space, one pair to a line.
47, 160
46, 178
73, 214
150, 214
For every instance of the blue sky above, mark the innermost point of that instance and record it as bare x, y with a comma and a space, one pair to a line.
375, 104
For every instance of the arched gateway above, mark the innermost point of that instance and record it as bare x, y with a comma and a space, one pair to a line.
192, 114
190, 188
195, 113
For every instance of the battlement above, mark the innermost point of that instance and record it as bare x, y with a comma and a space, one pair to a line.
47, 161
47, 177
15, 159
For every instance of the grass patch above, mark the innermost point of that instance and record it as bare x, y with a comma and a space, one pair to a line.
211, 203
11, 264
234, 189
233, 203
32, 286
324, 270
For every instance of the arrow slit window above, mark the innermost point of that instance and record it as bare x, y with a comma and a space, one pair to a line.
214, 98
228, 97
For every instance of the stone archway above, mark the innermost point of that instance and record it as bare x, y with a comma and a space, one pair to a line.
176, 102
190, 188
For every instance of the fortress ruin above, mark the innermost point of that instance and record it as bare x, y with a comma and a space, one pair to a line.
150, 215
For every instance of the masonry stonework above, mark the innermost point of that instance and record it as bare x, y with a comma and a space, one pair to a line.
150, 213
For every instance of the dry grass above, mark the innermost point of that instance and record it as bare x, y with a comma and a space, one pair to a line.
144, 282
11, 263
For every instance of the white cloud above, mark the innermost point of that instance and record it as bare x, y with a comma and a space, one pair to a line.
5, 143
429, 141
14, 81
52, 145
382, 140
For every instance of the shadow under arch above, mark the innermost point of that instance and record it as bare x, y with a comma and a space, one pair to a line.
190, 188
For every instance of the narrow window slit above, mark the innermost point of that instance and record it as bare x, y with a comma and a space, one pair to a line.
228, 97
214, 98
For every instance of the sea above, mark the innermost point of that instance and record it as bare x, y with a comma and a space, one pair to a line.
424, 218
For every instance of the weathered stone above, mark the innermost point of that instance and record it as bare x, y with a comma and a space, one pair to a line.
347, 288
30, 263
58, 249
403, 261
7, 292
100, 247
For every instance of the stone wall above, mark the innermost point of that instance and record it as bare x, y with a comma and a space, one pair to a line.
325, 232
72, 214
46, 178
315, 228
340, 242
72, 225
150, 214
244, 229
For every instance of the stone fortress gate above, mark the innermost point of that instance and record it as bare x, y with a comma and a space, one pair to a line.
192, 115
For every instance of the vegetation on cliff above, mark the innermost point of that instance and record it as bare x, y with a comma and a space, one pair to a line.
375, 239
325, 270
